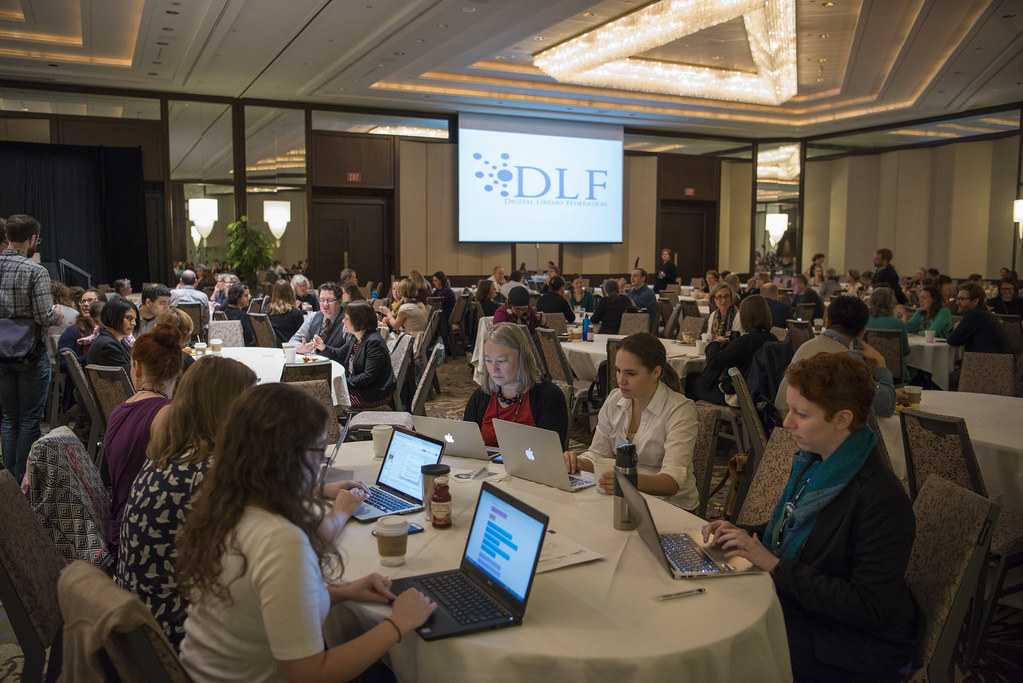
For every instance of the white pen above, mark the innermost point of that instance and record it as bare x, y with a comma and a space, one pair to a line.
672, 596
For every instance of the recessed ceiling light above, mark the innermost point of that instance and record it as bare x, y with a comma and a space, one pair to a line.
828, 4
538, 38
499, 58
825, 35
399, 54
589, 14
822, 60
442, 25
820, 80
716, 57
468, 9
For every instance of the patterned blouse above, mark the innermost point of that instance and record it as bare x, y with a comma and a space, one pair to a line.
155, 512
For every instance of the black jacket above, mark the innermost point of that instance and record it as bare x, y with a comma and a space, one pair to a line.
106, 350
371, 372
553, 302
242, 316
888, 276
609, 313
546, 403
734, 354
979, 331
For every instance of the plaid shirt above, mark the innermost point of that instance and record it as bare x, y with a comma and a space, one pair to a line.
25, 290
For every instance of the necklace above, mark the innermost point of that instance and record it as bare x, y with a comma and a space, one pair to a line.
154, 391
507, 401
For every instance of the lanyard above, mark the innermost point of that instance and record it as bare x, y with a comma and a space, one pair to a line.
790, 506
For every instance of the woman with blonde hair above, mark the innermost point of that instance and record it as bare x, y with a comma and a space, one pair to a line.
513, 387
422, 288
722, 320
177, 318
412, 314
284, 316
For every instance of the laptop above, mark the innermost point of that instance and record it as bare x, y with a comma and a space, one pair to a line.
399, 485
461, 439
321, 478
535, 454
683, 556
491, 585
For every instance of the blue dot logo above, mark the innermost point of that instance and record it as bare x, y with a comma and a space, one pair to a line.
494, 177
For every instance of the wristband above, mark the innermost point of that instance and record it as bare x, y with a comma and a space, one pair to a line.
395, 627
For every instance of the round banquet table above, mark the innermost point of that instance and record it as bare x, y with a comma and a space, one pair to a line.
585, 357
268, 363
937, 358
587, 622
995, 429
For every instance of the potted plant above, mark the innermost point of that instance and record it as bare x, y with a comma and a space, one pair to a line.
248, 251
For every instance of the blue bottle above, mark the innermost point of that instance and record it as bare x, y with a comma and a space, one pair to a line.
586, 328
373, 294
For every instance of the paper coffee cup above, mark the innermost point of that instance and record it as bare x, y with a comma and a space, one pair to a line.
601, 465
818, 323
392, 540
200, 348
929, 336
707, 337
701, 347
381, 437
216, 345
914, 394
289, 353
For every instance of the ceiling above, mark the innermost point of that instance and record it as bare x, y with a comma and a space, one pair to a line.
860, 62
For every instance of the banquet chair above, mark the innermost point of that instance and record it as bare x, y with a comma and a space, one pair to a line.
800, 332
304, 372
880, 447
219, 315
953, 535
557, 322
256, 305
691, 324
401, 361
115, 636
560, 370
696, 282
1014, 328
57, 375
320, 390
804, 312
65, 491
265, 335
690, 309
534, 297
670, 328
672, 288
704, 451
29, 569
612, 373
199, 318
434, 302
889, 344
426, 382
780, 333
763, 481
940, 445
86, 402
755, 434
110, 385
456, 327
634, 322
988, 373
229, 332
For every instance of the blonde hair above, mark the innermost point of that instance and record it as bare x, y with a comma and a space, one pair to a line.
511, 336
418, 280
407, 290
282, 298
179, 319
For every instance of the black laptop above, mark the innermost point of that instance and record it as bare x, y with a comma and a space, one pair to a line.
491, 586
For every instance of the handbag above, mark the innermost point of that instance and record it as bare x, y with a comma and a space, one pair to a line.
19, 338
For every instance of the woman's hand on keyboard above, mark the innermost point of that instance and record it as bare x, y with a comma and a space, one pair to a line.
348, 501
411, 610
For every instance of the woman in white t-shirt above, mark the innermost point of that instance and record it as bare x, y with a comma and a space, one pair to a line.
257, 560
412, 314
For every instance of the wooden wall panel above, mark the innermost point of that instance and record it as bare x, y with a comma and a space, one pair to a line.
688, 177
86, 130
336, 156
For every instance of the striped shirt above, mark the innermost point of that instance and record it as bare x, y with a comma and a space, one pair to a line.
25, 290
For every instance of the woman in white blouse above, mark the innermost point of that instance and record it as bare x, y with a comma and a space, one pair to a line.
648, 409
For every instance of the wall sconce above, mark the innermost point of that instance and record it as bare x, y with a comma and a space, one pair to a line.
1017, 215
776, 225
277, 214
204, 213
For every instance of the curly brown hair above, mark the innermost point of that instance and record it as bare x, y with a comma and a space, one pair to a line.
261, 459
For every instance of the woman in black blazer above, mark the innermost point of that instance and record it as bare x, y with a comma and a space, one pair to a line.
365, 357
110, 347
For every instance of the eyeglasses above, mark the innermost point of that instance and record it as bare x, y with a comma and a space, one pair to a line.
964, 298
722, 297
328, 301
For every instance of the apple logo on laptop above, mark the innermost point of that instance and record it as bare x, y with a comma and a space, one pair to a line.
449, 438
529, 454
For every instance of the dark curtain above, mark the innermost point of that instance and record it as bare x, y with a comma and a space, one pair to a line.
90, 202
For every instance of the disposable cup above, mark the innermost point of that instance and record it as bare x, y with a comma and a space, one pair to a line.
701, 347
289, 353
392, 540
914, 394
929, 336
381, 437
601, 465
216, 345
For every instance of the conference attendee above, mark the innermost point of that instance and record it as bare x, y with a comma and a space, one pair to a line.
845, 321
257, 558
513, 281
497, 276
517, 310
885, 272
552, 271
79, 336
284, 314
979, 331
666, 271
554, 301
780, 313
177, 457
364, 354
350, 293
186, 293
838, 542
110, 347
422, 288
120, 288
237, 308
442, 288
326, 322
710, 278
24, 378
155, 300
852, 281
866, 282
207, 278
802, 293
611, 307
395, 301
412, 316
348, 277
649, 410
817, 279
486, 293
643, 298
513, 388
155, 367
224, 282
722, 321
182, 322
579, 296
816, 262
930, 315
1007, 302
831, 286
714, 384
300, 283
65, 303
881, 306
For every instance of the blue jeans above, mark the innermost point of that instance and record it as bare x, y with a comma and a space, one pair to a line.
23, 390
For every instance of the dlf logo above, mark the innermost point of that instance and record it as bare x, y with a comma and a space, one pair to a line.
533, 182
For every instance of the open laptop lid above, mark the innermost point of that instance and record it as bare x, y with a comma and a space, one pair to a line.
462, 439
533, 453
406, 453
504, 546
321, 478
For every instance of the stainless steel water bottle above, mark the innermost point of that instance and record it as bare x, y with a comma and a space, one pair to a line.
625, 463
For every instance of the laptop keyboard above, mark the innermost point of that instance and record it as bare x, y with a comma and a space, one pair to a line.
685, 554
576, 482
384, 501
462, 598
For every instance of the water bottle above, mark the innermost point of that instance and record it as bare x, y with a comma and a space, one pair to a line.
625, 463
373, 294
586, 328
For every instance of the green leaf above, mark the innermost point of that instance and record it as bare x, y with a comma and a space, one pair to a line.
248, 250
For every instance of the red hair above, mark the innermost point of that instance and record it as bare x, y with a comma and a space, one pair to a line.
159, 352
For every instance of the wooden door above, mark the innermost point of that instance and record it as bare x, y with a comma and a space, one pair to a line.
347, 234
690, 230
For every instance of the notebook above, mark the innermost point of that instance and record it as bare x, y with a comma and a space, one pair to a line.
683, 556
399, 485
491, 585
461, 439
535, 454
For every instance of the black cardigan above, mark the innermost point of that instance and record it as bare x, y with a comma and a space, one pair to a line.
737, 353
106, 350
546, 403
372, 374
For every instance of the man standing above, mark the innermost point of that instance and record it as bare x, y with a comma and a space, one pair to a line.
818, 260
979, 331
802, 294
641, 295
27, 309
328, 323
886, 273
155, 300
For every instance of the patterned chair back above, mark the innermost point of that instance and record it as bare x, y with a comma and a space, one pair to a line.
939, 445
320, 390
634, 322
265, 335
889, 344
703, 453
766, 479
110, 386
800, 332
229, 332
557, 322
988, 373
612, 373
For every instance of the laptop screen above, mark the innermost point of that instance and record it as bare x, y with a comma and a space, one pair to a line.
406, 454
504, 543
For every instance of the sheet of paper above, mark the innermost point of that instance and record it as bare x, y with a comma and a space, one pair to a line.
560, 551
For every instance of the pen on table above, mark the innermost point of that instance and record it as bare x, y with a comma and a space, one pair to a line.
672, 596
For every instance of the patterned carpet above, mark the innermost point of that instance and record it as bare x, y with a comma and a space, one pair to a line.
1001, 659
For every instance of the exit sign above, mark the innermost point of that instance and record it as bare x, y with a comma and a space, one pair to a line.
354, 177
689, 191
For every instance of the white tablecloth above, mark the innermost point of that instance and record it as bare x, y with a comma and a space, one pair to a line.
592, 622
937, 358
996, 432
268, 363
585, 357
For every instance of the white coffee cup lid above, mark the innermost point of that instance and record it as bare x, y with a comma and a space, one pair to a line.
381, 428
216, 341
392, 525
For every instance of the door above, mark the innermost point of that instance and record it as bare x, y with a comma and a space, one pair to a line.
347, 234
689, 229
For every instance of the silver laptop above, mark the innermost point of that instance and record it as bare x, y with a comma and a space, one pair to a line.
535, 454
682, 555
461, 439
399, 485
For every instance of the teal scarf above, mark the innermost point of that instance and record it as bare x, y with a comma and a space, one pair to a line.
812, 485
